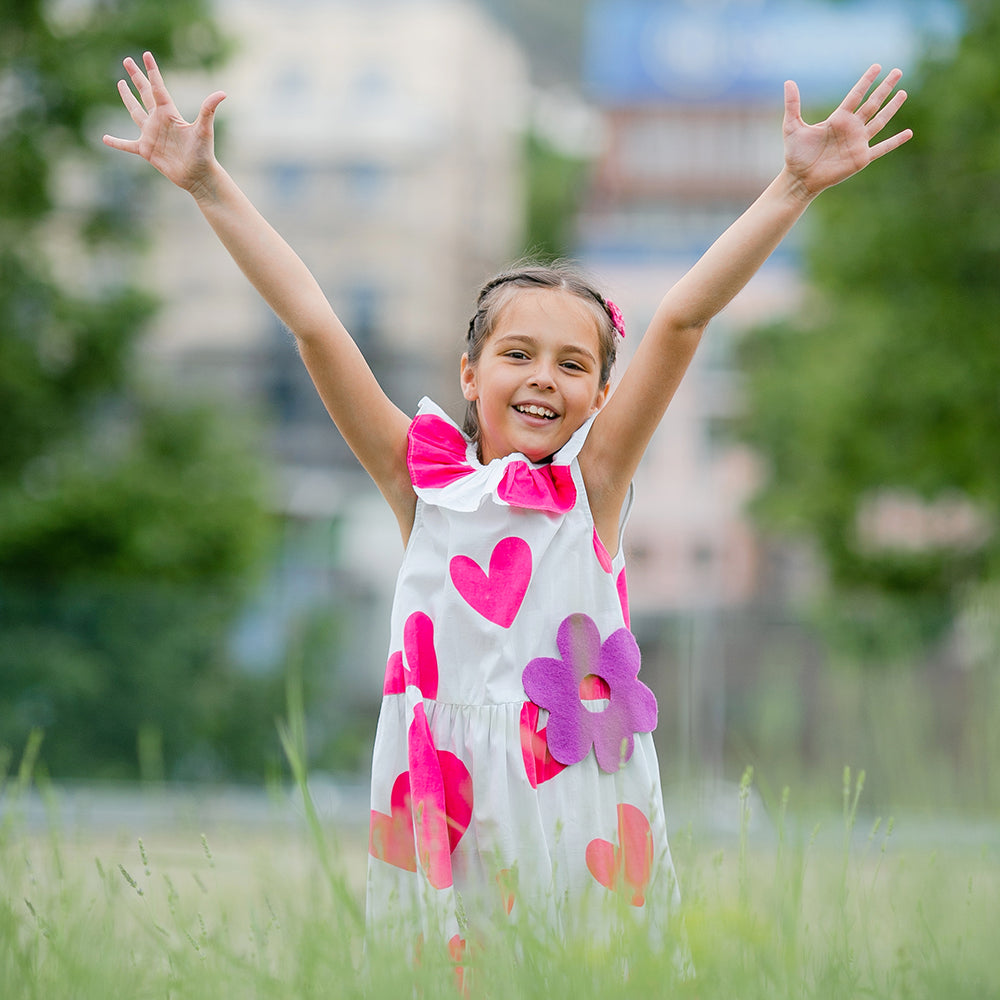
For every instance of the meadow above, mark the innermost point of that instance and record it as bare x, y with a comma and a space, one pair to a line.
779, 906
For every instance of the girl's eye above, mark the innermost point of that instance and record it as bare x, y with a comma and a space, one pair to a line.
517, 355
573, 366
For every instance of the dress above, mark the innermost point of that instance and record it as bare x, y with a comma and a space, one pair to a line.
513, 774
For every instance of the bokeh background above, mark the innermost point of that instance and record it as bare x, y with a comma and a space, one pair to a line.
814, 548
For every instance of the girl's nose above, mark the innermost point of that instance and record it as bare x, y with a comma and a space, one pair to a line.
542, 375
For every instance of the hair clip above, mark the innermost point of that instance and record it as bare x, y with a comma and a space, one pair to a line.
616, 317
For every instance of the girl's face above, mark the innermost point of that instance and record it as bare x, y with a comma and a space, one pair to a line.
538, 377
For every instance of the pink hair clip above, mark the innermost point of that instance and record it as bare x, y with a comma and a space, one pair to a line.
616, 318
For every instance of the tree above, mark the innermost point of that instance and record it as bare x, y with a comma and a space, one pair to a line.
555, 182
130, 524
881, 397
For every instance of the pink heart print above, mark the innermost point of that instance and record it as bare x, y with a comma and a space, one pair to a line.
441, 790
507, 882
497, 594
395, 680
420, 667
628, 867
539, 764
390, 835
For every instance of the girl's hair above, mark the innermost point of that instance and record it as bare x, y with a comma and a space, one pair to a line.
498, 292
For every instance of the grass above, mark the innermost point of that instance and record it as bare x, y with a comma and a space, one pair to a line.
830, 910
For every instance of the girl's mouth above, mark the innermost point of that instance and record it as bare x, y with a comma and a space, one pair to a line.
536, 411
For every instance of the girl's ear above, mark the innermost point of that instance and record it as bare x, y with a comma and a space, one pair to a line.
470, 389
602, 397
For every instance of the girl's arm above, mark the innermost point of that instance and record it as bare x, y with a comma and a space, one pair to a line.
374, 428
816, 157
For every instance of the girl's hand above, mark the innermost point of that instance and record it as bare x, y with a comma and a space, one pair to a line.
184, 152
819, 156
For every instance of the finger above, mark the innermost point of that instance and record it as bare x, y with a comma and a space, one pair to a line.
893, 142
209, 106
857, 93
878, 96
793, 103
134, 108
125, 145
140, 83
160, 93
886, 114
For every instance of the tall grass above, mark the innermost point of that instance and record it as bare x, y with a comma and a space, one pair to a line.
827, 910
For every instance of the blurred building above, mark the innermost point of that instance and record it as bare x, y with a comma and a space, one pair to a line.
692, 99
691, 95
382, 139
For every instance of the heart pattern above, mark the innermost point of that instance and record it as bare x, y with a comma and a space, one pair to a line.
390, 836
603, 556
539, 764
395, 682
497, 594
622, 585
428, 840
441, 790
628, 867
507, 883
457, 946
420, 666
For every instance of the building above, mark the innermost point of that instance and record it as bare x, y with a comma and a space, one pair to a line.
383, 140
692, 98
691, 93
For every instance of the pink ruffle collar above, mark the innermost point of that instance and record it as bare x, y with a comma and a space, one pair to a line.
446, 471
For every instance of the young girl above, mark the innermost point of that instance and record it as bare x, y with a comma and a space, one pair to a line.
514, 775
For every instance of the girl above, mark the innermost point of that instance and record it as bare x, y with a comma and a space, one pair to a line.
514, 773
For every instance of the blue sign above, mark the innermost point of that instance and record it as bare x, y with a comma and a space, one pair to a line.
694, 51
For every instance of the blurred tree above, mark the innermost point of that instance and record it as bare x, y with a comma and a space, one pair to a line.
555, 185
880, 401
129, 523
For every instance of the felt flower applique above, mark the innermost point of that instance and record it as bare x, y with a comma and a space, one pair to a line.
561, 685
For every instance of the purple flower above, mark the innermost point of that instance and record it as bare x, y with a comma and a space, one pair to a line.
555, 685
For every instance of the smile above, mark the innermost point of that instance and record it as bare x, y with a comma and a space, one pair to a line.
537, 411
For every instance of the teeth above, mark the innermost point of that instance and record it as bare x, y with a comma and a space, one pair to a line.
537, 411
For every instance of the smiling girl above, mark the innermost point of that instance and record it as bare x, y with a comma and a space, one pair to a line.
514, 775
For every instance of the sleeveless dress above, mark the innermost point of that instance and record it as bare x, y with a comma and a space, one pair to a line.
513, 776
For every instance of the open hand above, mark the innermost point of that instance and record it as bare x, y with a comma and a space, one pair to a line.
825, 154
182, 151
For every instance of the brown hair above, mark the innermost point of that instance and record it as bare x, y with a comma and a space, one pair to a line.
497, 293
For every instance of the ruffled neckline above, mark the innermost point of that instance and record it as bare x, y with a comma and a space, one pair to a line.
445, 468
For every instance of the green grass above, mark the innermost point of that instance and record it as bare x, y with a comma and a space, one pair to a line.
798, 910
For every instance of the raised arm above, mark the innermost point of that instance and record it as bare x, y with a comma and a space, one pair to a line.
816, 157
374, 428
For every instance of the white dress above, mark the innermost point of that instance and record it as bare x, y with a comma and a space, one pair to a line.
514, 775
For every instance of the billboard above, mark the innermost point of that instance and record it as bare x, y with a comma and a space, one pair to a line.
692, 51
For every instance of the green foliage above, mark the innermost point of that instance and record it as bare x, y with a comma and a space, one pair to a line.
555, 188
153, 492
130, 523
845, 908
888, 377
55, 62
